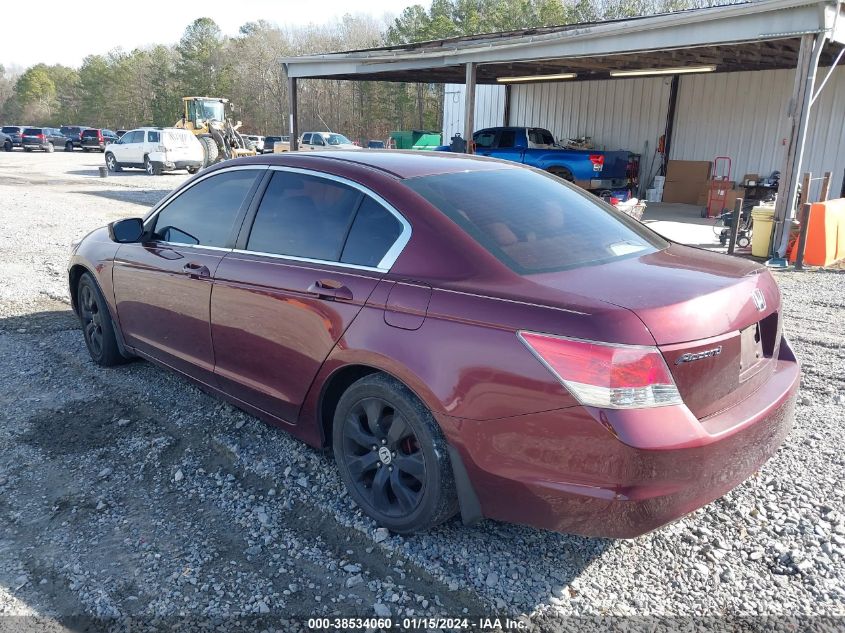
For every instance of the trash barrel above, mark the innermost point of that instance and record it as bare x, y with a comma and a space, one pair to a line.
763, 219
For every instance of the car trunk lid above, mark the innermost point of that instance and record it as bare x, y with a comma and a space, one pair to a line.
715, 319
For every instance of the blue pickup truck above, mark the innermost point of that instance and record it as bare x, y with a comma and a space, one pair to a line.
594, 170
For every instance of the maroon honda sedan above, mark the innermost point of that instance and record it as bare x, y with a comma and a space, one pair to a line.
468, 335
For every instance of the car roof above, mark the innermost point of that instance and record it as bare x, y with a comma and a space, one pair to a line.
398, 163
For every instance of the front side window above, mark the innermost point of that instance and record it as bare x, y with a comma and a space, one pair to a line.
306, 139
303, 216
534, 222
204, 214
339, 139
316, 139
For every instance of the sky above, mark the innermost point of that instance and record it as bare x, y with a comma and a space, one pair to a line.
118, 23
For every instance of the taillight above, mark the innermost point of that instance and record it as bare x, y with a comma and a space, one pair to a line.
99, 136
41, 136
605, 375
597, 159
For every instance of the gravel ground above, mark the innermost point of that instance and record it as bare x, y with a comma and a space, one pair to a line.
128, 493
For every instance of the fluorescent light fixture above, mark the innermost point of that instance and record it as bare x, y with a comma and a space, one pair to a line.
684, 70
513, 80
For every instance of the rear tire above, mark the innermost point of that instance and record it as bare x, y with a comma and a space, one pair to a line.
112, 164
392, 456
193, 170
97, 326
210, 151
151, 168
50, 148
27, 149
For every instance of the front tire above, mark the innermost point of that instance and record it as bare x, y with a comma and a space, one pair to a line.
69, 146
210, 151
392, 456
8, 146
150, 167
97, 325
112, 164
193, 170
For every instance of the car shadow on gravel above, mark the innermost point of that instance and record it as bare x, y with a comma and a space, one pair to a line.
99, 452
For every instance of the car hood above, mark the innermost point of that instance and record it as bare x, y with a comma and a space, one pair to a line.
680, 293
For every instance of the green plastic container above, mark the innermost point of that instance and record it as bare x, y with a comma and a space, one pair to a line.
415, 139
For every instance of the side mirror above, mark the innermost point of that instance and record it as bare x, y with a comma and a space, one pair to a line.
126, 231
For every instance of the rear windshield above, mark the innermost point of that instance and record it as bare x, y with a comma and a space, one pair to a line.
535, 222
90, 133
32, 130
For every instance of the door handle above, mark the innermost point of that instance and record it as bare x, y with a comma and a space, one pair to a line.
196, 271
330, 289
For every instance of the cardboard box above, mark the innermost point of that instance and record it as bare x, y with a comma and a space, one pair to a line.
755, 178
682, 191
687, 170
685, 180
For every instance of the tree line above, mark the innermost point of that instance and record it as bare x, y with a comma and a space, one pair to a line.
121, 90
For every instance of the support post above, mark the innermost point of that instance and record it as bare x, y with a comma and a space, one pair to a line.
799, 113
802, 237
469, 104
294, 115
805, 189
825, 190
737, 219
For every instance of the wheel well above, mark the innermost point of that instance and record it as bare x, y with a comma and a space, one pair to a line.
73, 281
562, 172
338, 383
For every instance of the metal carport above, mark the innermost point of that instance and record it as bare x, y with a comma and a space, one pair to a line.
773, 34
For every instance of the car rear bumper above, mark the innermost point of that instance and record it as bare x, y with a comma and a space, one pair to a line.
168, 165
620, 474
33, 145
85, 145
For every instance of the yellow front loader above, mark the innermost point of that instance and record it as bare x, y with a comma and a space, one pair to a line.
206, 118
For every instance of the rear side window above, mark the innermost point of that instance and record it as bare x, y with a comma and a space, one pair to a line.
540, 136
534, 222
153, 137
303, 216
204, 214
373, 232
507, 139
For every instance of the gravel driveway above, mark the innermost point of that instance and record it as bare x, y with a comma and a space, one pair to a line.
128, 493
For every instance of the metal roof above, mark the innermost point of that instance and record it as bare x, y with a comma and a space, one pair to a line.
748, 36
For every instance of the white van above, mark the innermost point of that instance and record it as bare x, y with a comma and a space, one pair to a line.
156, 149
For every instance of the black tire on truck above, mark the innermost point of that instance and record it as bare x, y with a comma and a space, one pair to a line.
210, 152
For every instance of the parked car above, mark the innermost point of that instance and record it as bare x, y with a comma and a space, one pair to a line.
45, 138
594, 170
278, 145
256, 140
466, 334
14, 132
156, 150
6, 142
325, 140
372, 144
73, 134
97, 138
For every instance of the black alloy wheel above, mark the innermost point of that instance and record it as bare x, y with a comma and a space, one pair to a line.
384, 457
392, 455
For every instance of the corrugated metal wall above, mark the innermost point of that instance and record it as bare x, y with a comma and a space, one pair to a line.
489, 108
617, 114
743, 115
